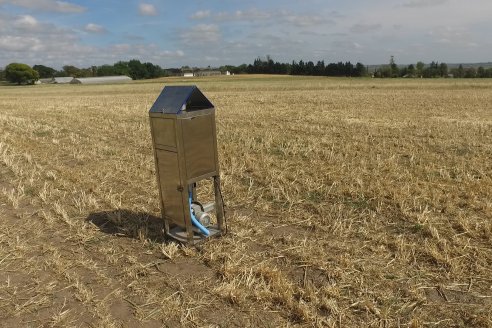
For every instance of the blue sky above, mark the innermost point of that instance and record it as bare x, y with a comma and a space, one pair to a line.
217, 32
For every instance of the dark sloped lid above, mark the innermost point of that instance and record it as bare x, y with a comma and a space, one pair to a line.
174, 99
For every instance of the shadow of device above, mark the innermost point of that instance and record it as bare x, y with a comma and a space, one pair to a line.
121, 222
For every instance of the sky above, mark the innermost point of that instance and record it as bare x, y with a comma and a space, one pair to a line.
212, 33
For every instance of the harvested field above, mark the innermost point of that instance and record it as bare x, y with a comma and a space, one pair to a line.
350, 203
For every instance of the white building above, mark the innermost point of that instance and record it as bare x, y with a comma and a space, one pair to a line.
62, 80
101, 80
208, 73
46, 81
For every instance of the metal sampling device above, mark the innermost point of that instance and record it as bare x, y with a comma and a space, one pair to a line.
182, 122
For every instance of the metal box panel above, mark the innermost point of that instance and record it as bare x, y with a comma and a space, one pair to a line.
199, 146
164, 131
171, 187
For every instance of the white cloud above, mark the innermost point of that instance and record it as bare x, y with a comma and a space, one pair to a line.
423, 3
31, 41
26, 39
242, 15
369, 32
26, 22
251, 15
200, 34
272, 17
347, 46
120, 48
94, 28
201, 14
306, 20
147, 9
144, 52
452, 36
9, 43
364, 28
436, 12
172, 54
46, 5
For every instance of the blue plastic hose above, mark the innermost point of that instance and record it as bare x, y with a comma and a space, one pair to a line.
195, 222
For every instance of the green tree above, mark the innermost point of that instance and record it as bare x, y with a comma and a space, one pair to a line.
481, 72
20, 73
360, 70
85, 72
138, 70
383, 71
394, 71
443, 70
106, 70
44, 71
420, 69
461, 71
70, 70
121, 68
309, 68
411, 70
470, 72
154, 71
241, 69
319, 69
432, 70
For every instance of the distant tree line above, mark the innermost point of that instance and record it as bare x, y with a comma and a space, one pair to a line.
133, 68
137, 70
471, 72
433, 70
392, 70
24, 74
269, 66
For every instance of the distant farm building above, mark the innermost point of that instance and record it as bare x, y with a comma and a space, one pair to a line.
203, 72
62, 80
207, 73
101, 80
46, 81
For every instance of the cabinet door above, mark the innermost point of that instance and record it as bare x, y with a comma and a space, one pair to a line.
199, 147
171, 187
164, 132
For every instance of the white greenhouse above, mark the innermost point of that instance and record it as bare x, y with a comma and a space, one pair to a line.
62, 80
101, 80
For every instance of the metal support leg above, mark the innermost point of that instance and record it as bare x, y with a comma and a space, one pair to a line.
189, 227
219, 210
